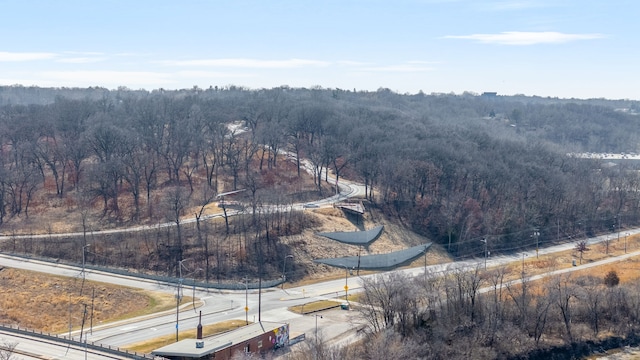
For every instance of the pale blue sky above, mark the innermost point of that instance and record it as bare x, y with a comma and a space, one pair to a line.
563, 48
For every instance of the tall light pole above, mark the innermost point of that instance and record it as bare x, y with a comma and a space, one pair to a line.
284, 267
84, 248
316, 339
246, 301
618, 227
536, 234
320, 316
625, 242
346, 285
484, 240
179, 296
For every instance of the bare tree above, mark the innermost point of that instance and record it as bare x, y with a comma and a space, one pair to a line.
562, 291
390, 300
591, 295
176, 202
318, 348
7, 349
521, 297
540, 314
207, 196
495, 306
390, 345
582, 247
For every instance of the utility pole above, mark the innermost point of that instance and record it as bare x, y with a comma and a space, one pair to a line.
625, 242
260, 293
93, 297
179, 297
84, 316
284, 268
84, 247
484, 240
536, 234
346, 285
246, 301
618, 228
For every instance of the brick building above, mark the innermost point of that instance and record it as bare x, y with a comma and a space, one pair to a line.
254, 338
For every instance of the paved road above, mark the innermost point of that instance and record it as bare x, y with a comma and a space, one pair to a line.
348, 189
30, 347
225, 305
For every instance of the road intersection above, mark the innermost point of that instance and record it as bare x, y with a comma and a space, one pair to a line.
219, 305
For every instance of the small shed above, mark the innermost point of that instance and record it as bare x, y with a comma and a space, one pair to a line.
254, 338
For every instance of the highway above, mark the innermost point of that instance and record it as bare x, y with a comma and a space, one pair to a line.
31, 347
217, 305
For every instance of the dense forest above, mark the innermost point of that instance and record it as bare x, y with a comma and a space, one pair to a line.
480, 314
454, 168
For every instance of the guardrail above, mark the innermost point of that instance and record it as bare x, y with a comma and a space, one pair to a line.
71, 341
158, 278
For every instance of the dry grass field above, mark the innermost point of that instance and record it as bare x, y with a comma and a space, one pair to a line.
51, 303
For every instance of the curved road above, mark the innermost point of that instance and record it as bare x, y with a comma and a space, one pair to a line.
32, 347
348, 189
225, 305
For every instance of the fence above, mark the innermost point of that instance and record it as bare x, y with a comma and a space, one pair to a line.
89, 345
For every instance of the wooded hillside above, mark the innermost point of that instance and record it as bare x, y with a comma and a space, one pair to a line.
454, 168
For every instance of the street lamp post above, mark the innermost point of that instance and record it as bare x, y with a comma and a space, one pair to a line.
316, 339
320, 316
484, 240
536, 234
284, 267
178, 307
346, 285
84, 248
246, 301
179, 296
625, 242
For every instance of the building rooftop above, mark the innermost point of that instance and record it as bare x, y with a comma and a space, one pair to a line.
187, 347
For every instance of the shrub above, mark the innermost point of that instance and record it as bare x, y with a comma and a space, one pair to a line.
611, 279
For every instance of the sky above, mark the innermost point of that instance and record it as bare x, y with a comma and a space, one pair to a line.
550, 48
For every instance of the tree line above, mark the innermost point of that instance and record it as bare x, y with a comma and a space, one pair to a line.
473, 313
455, 168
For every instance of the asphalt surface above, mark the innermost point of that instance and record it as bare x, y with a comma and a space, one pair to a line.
338, 326
218, 306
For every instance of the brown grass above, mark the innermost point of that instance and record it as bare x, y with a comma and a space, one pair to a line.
50, 303
627, 270
314, 307
562, 260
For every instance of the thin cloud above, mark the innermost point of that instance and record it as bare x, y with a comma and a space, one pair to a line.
249, 63
25, 56
89, 77
412, 66
352, 63
211, 74
81, 60
84, 53
526, 38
